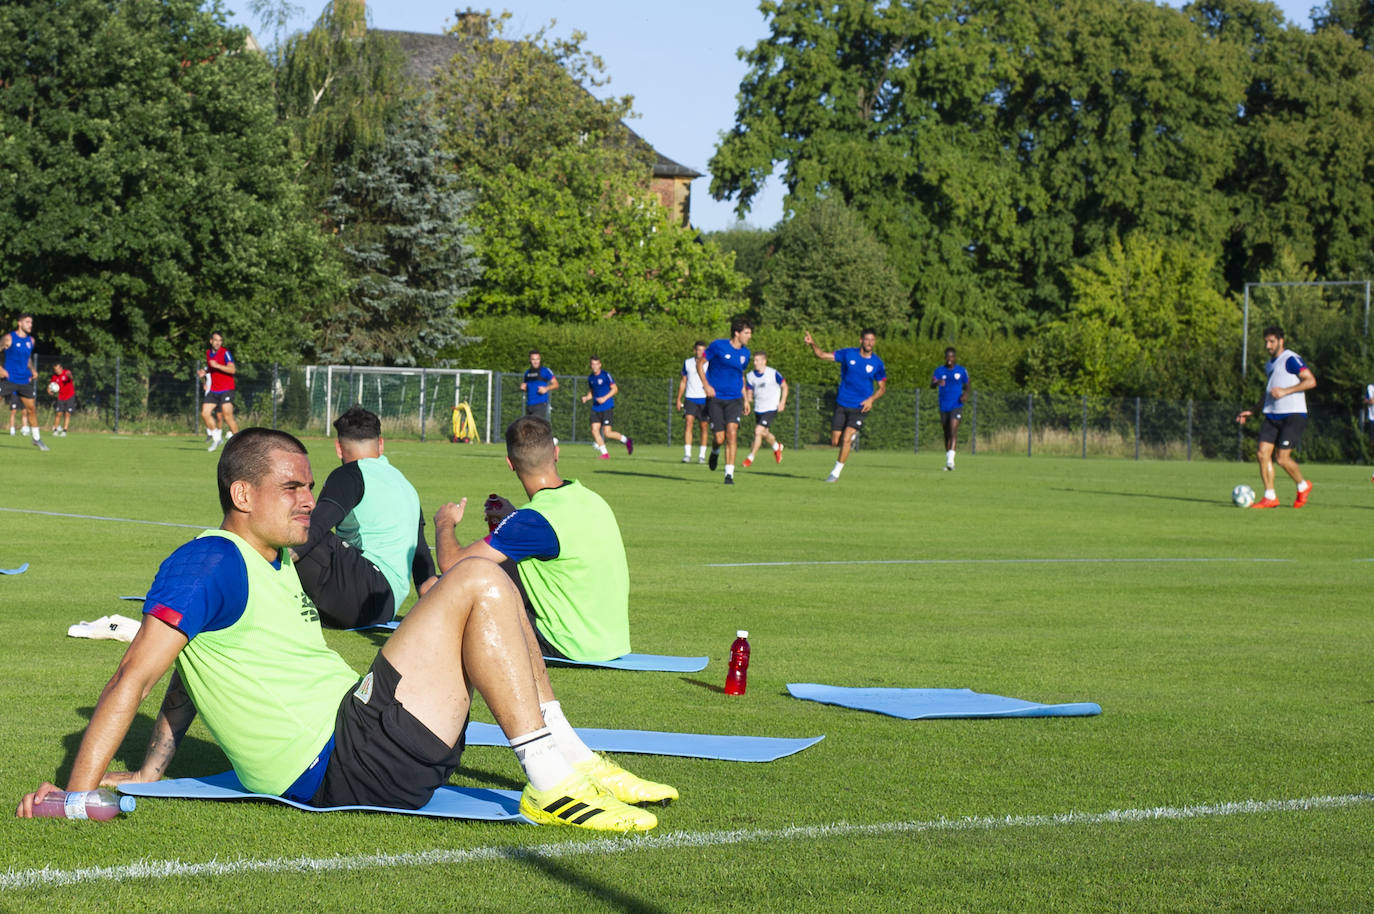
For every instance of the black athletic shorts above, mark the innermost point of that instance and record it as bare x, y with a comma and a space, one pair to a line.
219, 397
694, 408
347, 589
605, 418
724, 412
12, 390
952, 415
846, 417
65, 406
1283, 432
538, 409
766, 419
383, 755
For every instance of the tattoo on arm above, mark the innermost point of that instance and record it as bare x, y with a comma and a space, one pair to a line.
173, 720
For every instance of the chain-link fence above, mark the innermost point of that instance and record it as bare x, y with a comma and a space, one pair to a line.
422, 402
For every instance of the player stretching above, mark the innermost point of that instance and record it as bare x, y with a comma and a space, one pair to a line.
1285, 415
690, 389
721, 369
601, 390
863, 379
220, 369
768, 391
953, 382
18, 372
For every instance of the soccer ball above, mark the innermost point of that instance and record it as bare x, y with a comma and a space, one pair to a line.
1242, 496
53, 388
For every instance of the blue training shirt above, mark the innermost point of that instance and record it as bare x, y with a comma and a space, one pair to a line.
17, 358
725, 367
201, 587
600, 386
525, 534
858, 376
956, 379
534, 379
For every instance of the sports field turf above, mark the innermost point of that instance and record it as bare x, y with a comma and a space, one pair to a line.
1230, 651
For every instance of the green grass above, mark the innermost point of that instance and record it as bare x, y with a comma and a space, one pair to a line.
1220, 681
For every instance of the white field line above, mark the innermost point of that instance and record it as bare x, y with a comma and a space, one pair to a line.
121, 520
176, 869
1045, 561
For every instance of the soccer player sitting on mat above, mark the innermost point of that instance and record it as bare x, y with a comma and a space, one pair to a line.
361, 575
295, 721
563, 551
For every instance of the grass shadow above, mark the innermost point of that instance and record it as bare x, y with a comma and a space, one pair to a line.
708, 686
601, 892
195, 757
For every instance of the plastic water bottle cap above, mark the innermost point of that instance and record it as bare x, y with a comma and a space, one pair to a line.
741, 634
127, 804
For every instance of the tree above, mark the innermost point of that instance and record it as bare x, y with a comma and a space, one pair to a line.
145, 188
1354, 17
828, 269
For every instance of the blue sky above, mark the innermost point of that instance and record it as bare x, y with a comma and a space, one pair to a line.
678, 60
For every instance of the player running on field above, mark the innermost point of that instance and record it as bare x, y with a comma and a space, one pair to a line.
537, 383
601, 391
767, 390
722, 369
1285, 416
18, 371
863, 379
691, 401
219, 370
952, 380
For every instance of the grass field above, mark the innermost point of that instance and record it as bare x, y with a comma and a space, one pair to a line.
1230, 651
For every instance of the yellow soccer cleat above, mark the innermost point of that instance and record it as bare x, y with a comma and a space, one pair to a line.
626, 787
582, 803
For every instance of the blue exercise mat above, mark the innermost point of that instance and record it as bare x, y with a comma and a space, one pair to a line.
20, 570
448, 802
927, 704
658, 663
655, 742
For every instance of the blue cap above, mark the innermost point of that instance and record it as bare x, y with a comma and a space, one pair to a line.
127, 804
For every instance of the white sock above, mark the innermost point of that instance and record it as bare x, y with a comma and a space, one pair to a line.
537, 752
228, 435
1304, 486
777, 445
729, 469
601, 448
216, 434
686, 450
564, 736
838, 468
1270, 493
949, 457
34, 430
702, 452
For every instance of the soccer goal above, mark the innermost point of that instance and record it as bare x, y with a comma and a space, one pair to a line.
408, 400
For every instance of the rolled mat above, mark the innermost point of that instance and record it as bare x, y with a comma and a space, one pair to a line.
928, 704
448, 802
656, 742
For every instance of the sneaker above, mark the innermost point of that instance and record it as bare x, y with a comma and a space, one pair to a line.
629, 445
1302, 496
729, 480
213, 444
40, 444
579, 802
688, 459
624, 786
777, 454
949, 467
1266, 503
603, 456
25, 429
702, 459
832, 478
715, 459
748, 462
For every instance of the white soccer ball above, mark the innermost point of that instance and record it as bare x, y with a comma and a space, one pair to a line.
53, 388
1242, 496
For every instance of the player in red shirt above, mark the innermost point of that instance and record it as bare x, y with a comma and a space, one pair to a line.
66, 399
219, 374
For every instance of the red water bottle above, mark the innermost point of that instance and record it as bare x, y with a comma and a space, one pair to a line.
101, 805
493, 503
736, 678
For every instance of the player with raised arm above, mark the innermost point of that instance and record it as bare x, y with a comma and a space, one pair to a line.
66, 399
952, 381
601, 391
1284, 408
691, 402
766, 389
538, 383
863, 379
721, 369
18, 372
219, 372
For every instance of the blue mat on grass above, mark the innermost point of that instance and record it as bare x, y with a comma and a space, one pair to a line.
20, 570
448, 802
927, 704
658, 663
655, 742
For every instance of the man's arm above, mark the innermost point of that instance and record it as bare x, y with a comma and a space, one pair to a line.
682, 389
1306, 381
782, 401
148, 657
4, 344
422, 566
881, 389
610, 393
820, 353
552, 385
173, 720
225, 367
968, 385
451, 552
701, 373
342, 492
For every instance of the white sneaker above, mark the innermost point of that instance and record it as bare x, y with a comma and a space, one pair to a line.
106, 628
832, 478
24, 430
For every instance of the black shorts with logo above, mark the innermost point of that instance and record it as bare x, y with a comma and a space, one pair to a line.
694, 408
605, 418
766, 419
847, 417
724, 412
347, 589
952, 415
11, 390
538, 409
219, 398
1284, 432
383, 756
66, 406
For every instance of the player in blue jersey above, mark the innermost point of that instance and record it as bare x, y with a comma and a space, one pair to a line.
952, 380
691, 402
1284, 407
863, 379
537, 383
601, 391
18, 372
721, 369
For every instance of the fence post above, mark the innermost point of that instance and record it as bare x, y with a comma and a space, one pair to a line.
422, 405
1137, 428
1030, 412
116, 409
195, 402
276, 381
973, 438
796, 427
671, 400
1190, 428
916, 433
1085, 426
574, 403
498, 383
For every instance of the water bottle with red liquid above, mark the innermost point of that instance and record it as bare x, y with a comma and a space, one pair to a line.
493, 503
736, 678
101, 805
